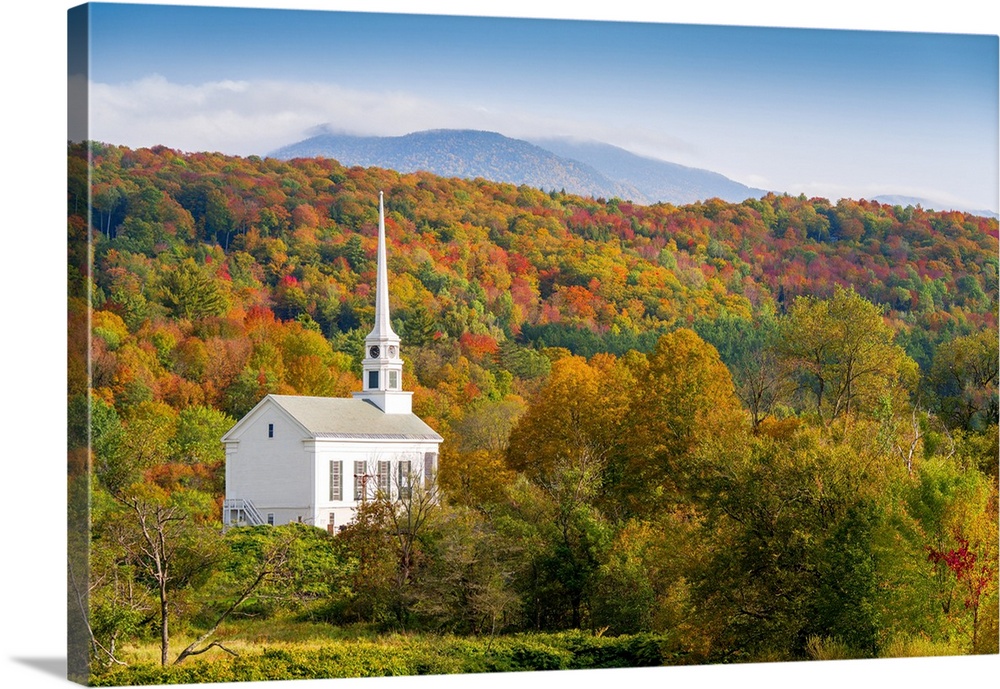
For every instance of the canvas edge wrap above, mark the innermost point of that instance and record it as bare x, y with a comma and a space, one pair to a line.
78, 437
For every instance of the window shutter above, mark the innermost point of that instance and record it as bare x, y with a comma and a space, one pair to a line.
383, 477
336, 480
359, 480
430, 466
404, 479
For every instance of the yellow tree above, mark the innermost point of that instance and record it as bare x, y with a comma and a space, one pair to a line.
474, 471
576, 421
957, 510
684, 397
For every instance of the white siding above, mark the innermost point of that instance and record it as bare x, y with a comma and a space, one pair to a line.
370, 454
274, 473
288, 474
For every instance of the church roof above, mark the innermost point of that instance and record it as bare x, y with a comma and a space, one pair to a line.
352, 419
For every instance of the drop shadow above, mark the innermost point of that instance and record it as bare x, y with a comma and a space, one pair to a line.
50, 666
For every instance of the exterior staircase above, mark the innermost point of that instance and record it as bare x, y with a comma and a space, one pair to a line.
240, 512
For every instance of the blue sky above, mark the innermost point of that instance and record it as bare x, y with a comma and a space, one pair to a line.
817, 111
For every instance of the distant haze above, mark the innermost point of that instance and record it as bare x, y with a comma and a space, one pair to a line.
820, 112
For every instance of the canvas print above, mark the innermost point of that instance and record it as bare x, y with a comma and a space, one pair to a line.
426, 345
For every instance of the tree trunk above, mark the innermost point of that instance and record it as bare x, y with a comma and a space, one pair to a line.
164, 627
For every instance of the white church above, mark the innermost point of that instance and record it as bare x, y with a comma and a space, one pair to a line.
315, 459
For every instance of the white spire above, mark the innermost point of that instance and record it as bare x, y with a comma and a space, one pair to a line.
382, 328
382, 367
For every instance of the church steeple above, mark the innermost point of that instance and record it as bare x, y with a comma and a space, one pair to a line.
383, 328
382, 367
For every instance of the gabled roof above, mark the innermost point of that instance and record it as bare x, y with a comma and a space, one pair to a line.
345, 418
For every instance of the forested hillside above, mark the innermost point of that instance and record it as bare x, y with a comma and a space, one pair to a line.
753, 431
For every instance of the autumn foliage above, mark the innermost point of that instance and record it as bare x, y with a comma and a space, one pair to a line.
760, 430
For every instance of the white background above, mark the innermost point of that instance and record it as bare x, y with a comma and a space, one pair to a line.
32, 222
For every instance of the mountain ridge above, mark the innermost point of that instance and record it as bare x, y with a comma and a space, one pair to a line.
658, 180
463, 153
585, 168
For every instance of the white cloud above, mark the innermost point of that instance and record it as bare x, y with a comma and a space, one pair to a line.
254, 117
242, 118
228, 116
759, 181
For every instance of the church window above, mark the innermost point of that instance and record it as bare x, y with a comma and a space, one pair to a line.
373, 380
393, 380
270, 518
383, 477
270, 430
336, 480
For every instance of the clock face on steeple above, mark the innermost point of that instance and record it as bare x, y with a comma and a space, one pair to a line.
392, 351
373, 351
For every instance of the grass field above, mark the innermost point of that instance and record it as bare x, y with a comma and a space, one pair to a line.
267, 650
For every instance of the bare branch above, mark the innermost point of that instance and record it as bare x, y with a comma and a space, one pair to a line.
207, 648
273, 562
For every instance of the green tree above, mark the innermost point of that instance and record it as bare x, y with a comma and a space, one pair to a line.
844, 353
125, 448
845, 603
160, 541
557, 540
803, 544
748, 347
963, 379
465, 585
645, 580
196, 440
191, 293
368, 591
105, 438
956, 510
418, 327
252, 562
